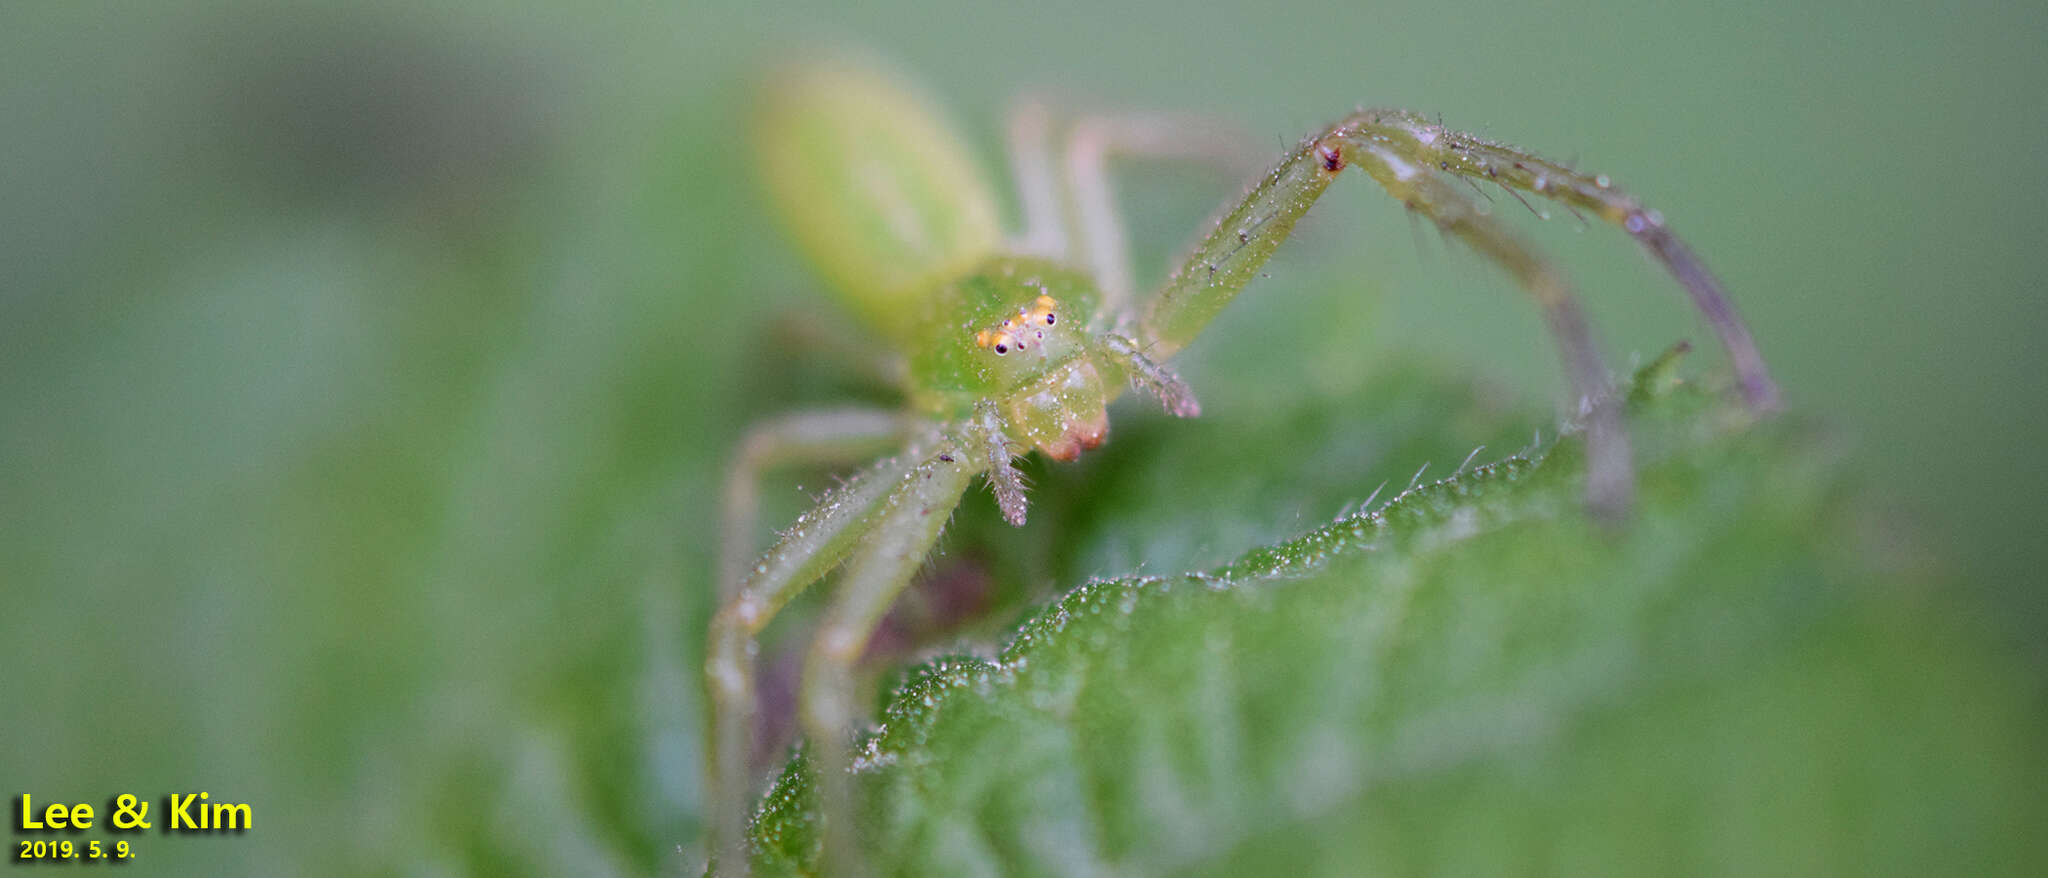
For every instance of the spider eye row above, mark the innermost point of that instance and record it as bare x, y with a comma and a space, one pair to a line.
1019, 332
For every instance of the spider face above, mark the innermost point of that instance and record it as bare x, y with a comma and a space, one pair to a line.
1062, 411
1022, 331
1017, 332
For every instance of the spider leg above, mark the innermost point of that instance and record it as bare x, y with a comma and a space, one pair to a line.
886, 518
1093, 141
994, 448
822, 331
1152, 377
908, 523
1228, 257
815, 544
1038, 193
823, 436
1430, 144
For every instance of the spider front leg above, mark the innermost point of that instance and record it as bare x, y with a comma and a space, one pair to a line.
1431, 144
810, 548
824, 436
908, 523
1246, 237
1404, 141
886, 519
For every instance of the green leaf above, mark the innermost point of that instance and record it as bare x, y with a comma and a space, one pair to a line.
1475, 678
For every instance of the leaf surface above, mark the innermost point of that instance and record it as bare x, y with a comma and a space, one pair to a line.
1473, 677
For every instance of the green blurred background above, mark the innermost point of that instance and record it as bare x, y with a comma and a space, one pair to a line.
366, 374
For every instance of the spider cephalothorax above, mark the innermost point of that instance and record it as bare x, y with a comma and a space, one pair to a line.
1020, 346
1018, 335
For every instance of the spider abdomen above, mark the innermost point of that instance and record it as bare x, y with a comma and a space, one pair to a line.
876, 187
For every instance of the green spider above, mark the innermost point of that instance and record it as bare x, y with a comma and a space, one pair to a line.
1005, 346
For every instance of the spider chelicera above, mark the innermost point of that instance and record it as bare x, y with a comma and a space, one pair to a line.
1009, 345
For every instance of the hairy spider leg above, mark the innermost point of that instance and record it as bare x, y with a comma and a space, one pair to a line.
1092, 142
994, 448
1038, 194
1152, 377
899, 538
806, 438
1401, 153
810, 548
1419, 140
1246, 237
886, 519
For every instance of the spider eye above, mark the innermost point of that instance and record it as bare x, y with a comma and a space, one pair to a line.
1048, 319
1002, 349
